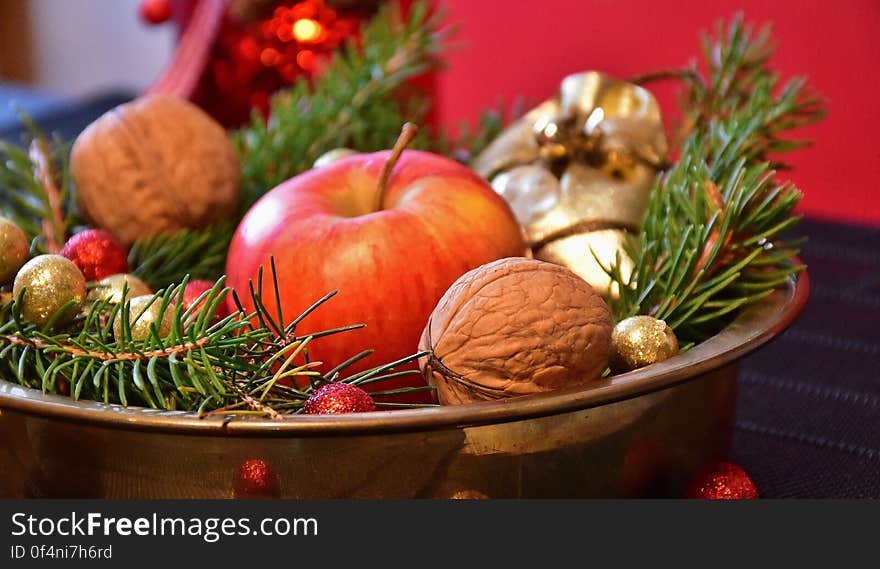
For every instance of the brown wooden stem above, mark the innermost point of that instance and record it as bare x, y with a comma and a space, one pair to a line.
53, 229
685, 74
407, 134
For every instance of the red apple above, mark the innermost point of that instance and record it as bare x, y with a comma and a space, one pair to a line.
390, 253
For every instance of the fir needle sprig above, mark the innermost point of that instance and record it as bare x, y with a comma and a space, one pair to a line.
246, 363
714, 238
168, 258
37, 190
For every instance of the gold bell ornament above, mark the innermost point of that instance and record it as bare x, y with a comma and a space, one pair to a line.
577, 171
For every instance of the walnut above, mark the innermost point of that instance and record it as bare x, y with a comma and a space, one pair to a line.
513, 327
155, 165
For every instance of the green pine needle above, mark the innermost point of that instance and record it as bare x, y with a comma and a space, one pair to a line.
715, 236
37, 190
164, 259
240, 363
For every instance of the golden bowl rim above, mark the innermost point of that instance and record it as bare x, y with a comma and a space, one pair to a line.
754, 326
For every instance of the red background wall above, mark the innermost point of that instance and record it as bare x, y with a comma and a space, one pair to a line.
517, 48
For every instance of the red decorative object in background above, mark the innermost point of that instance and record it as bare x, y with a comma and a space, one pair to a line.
231, 57
155, 11
252, 60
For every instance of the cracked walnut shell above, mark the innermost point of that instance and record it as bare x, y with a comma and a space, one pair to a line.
155, 165
513, 327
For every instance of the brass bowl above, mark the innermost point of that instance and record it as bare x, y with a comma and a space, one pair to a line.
640, 433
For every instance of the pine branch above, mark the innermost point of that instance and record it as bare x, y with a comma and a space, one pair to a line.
249, 363
714, 237
37, 190
164, 259
360, 101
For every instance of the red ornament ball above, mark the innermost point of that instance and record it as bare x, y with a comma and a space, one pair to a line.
256, 478
722, 481
195, 289
337, 398
155, 11
96, 253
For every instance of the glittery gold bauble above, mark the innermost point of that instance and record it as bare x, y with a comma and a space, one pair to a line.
50, 282
13, 249
142, 317
638, 341
111, 288
332, 156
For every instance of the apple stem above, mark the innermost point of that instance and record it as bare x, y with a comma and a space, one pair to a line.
407, 134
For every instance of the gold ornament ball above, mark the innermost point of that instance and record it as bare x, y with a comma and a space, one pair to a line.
14, 247
638, 341
140, 323
332, 156
111, 288
49, 282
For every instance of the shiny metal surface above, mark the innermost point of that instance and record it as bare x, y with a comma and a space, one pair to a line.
641, 432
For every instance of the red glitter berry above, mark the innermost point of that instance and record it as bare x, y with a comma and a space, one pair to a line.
97, 253
256, 478
195, 289
337, 398
722, 481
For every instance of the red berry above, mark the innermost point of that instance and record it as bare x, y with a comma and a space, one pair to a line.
97, 253
337, 398
155, 11
195, 289
722, 481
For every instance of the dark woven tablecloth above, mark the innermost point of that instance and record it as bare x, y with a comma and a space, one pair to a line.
808, 411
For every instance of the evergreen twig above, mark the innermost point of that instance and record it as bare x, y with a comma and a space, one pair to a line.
199, 254
204, 365
37, 190
714, 238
